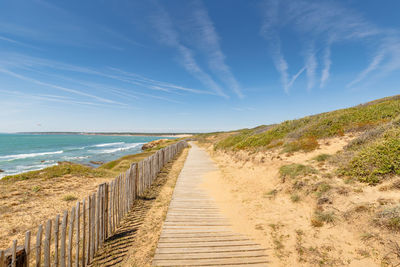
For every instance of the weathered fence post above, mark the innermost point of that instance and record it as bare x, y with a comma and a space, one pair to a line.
38, 245
70, 236
77, 234
27, 247
63, 238
83, 231
47, 240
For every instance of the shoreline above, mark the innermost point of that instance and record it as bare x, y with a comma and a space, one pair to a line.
89, 164
176, 135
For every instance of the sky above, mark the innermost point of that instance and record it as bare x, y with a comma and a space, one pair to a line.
190, 66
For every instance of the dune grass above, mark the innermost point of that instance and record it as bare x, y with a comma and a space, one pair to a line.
294, 170
376, 160
301, 134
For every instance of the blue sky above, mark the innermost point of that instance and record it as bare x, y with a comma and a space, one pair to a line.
189, 66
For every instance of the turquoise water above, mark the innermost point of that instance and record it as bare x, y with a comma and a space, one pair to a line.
28, 152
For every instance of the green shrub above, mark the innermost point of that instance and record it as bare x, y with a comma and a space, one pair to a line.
305, 144
294, 170
69, 198
377, 160
295, 198
322, 157
335, 123
389, 218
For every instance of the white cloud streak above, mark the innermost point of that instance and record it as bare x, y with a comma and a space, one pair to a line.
170, 37
324, 23
209, 41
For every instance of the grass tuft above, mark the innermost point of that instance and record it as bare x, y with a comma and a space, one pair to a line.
69, 198
322, 157
320, 217
294, 170
389, 218
295, 198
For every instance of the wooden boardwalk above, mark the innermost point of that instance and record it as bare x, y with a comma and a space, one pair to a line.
194, 232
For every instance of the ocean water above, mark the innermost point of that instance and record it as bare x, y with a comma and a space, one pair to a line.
28, 152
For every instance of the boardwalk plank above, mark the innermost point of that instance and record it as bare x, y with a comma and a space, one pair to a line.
194, 232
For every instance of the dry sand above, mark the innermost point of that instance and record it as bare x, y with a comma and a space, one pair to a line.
26, 204
250, 192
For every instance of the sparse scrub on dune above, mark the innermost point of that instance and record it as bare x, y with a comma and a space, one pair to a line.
328, 124
305, 144
294, 170
377, 160
321, 217
69, 198
322, 157
389, 218
295, 198
63, 168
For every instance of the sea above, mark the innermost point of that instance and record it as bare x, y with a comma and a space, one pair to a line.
27, 152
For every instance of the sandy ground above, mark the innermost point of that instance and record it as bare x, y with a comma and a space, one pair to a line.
26, 204
250, 191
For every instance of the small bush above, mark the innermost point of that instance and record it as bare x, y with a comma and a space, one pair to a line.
322, 157
69, 198
305, 144
36, 188
294, 170
320, 217
271, 193
389, 218
377, 160
295, 198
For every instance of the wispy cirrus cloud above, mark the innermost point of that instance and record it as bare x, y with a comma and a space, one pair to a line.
208, 40
319, 25
133, 84
168, 35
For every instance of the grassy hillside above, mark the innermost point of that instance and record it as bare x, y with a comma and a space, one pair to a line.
301, 134
369, 158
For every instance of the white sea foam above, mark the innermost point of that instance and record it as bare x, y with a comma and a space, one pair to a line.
21, 169
126, 147
109, 144
30, 155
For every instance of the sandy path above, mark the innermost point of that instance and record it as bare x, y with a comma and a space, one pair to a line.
195, 232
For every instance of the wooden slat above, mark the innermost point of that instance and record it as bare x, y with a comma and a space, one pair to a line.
205, 262
63, 238
70, 237
83, 260
47, 240
211, 255
39, 245
207, 249
14, 254
77, 238
194, 232
2, 259
27, 247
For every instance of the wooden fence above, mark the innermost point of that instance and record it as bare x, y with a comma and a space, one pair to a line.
85, 228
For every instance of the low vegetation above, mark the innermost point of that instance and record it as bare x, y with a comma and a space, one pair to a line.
322, 157
69, 198
321, 217
389, 218
376, 160
371, 157
294, 170
301, 134
63, 168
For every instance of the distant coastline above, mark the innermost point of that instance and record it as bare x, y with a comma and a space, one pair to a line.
177, 135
